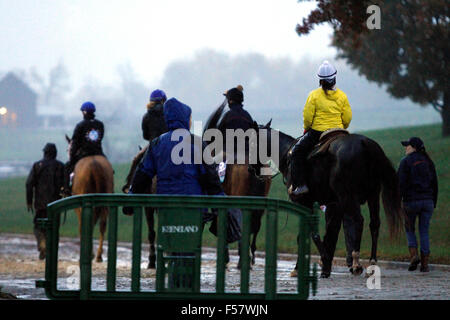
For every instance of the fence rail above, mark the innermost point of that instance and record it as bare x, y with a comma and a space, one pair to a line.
180, 211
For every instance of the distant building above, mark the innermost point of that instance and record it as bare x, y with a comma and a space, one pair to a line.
50, 117
17, 103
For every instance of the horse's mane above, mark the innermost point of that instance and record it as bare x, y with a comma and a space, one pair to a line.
214, 118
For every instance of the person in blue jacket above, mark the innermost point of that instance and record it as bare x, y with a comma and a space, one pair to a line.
419, 190
172, 178
175, 177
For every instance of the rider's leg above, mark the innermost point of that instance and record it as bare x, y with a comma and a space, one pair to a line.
68, 169
298, 162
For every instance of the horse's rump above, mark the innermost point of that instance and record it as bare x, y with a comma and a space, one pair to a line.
93, 174
358, 170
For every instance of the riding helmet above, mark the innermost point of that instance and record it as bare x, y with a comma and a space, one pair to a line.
158, 95
88, 106
235, 94
327, 71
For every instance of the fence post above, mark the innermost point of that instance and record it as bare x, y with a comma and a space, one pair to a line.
302, 266
86, 250
221, 243
271, 254
244, 248
137, 244
112, 249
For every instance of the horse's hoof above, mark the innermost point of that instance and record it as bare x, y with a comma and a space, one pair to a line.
294, 273
151, 265
350, 269
325, 275
358, 271
99, 259
41, 255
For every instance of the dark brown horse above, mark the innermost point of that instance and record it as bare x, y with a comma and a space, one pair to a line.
149, 212
243, 180
353, 170
93, 174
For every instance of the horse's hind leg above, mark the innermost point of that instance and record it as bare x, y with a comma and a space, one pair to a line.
333, 219
374, 209
253, 249
149, 215
256, 226
349, 233
103, 214
358, 222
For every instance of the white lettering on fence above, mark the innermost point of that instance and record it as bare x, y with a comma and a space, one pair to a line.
179, 229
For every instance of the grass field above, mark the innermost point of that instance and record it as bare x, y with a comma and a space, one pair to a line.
15, 219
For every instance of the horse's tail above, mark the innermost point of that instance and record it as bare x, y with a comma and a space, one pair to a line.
214, 118
383, 170
100, 182
137, 159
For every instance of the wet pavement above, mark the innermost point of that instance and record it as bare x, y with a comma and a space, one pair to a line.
20, 268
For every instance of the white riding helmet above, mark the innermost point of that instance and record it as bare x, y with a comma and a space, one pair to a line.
326, 71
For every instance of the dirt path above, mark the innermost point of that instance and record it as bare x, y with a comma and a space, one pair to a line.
20, 267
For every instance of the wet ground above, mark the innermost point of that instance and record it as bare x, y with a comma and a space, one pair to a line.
20, 268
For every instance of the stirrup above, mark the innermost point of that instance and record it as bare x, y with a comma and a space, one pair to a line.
299, 190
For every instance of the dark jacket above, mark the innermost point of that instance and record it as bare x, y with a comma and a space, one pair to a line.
184, 178
45, 181
236, 118
417, 178
87, 138
153, 124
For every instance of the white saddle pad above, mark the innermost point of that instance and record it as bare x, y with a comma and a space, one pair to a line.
221, 171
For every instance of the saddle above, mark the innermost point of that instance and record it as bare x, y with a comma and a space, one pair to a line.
325, 140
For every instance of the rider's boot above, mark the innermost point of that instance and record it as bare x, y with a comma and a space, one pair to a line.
298, 165
298, 186
65, 189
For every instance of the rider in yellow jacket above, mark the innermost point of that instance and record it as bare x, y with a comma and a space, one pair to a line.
326, 107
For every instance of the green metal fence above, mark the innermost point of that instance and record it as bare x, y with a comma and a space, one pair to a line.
179, 247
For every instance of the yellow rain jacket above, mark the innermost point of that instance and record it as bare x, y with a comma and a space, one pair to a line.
325, 111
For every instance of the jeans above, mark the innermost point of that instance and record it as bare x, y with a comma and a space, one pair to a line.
422, 209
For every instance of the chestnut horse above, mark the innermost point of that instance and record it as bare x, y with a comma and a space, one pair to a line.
93, 174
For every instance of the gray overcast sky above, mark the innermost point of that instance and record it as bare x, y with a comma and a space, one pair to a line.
93, 37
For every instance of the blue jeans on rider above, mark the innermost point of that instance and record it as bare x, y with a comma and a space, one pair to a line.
423, 209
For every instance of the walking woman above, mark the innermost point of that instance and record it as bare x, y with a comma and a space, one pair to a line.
419, 190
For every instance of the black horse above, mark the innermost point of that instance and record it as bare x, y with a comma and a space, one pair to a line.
353, 170
149, 212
